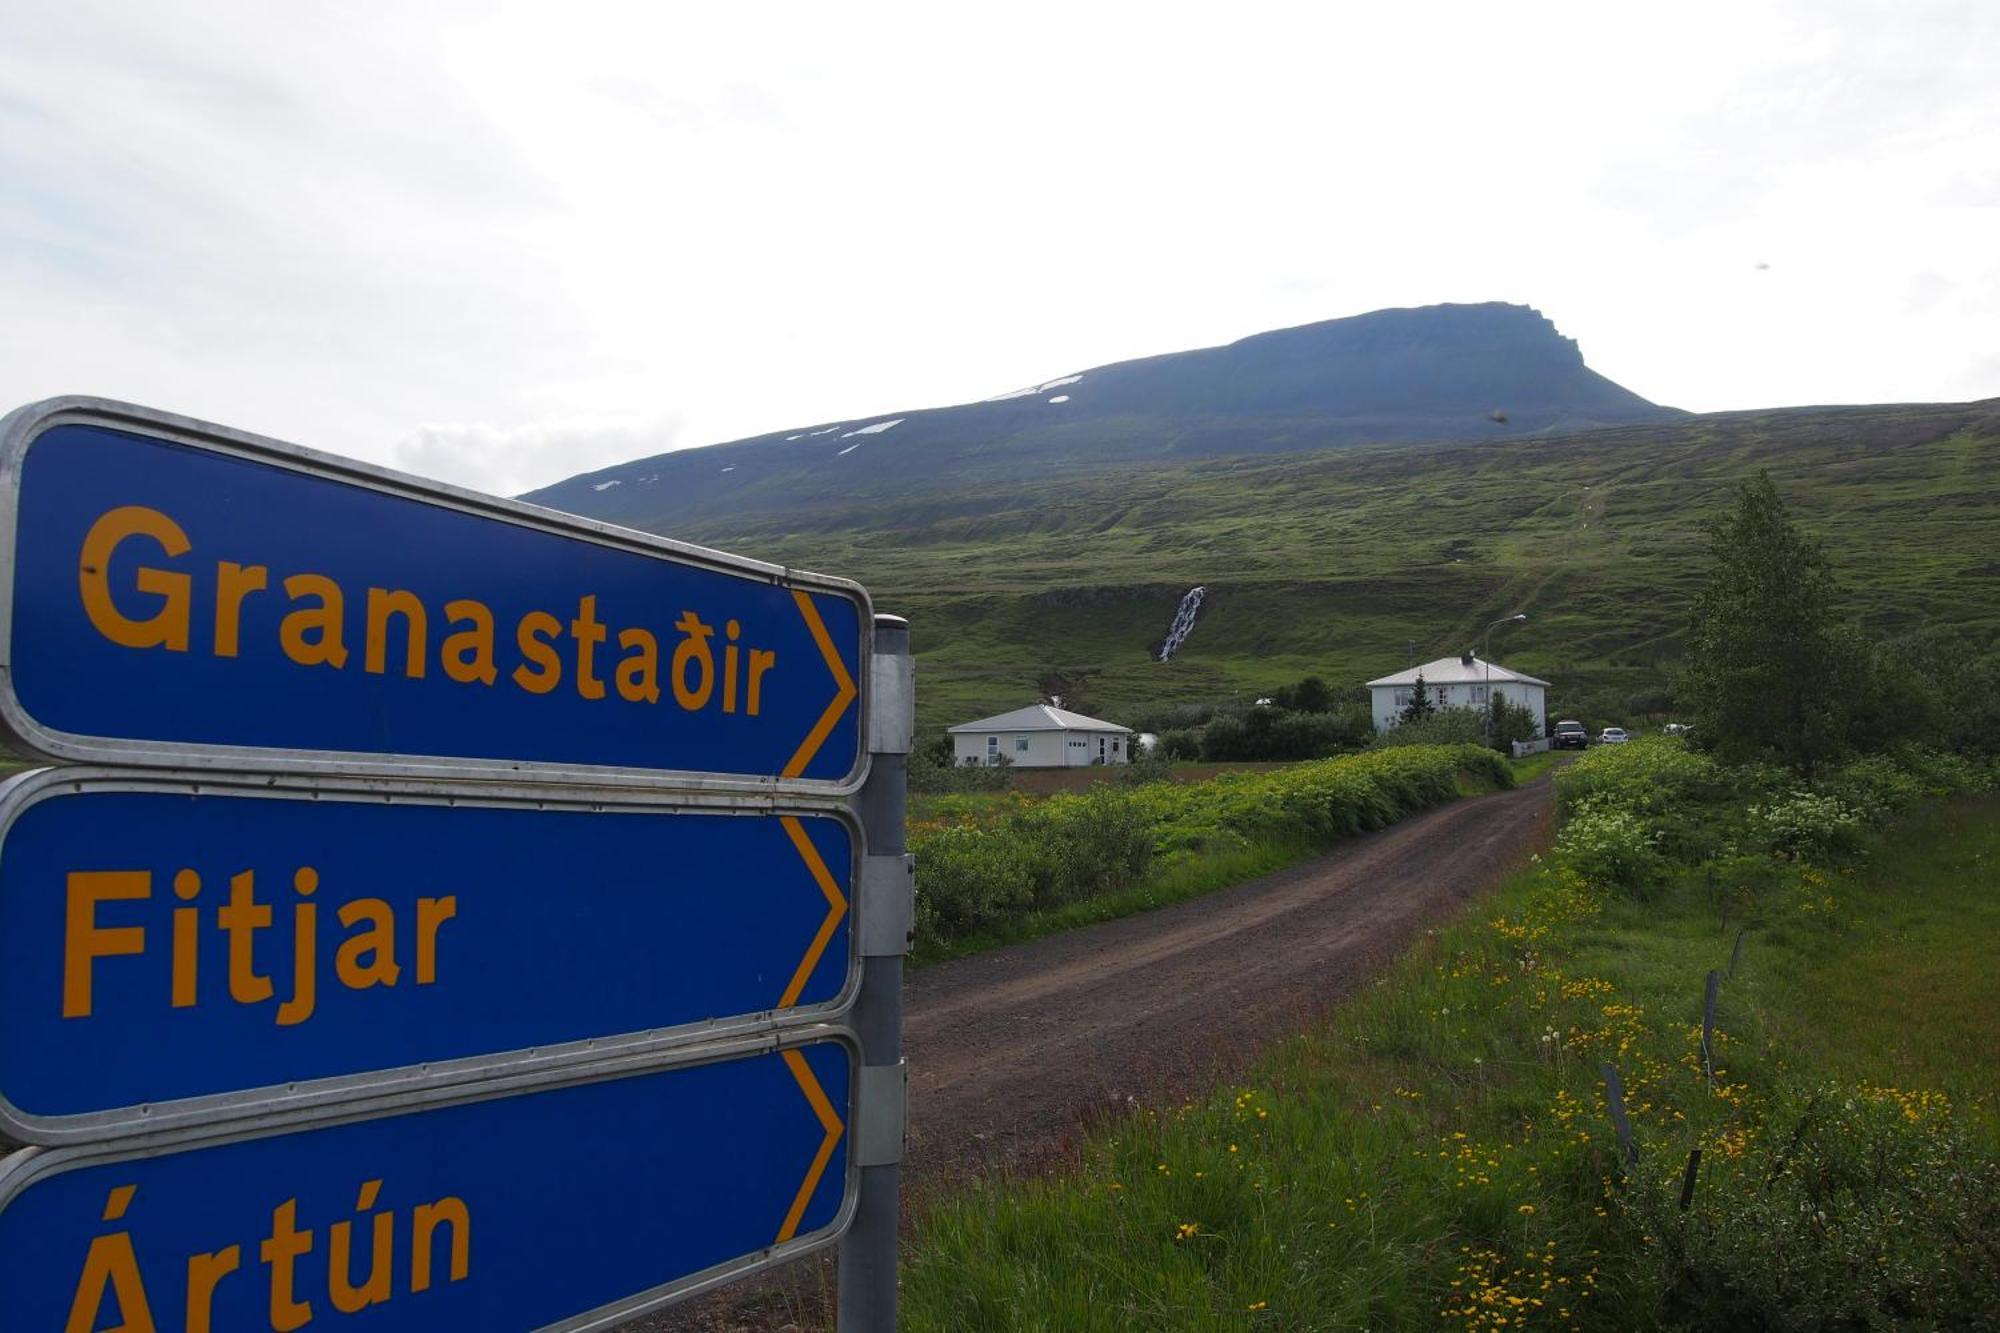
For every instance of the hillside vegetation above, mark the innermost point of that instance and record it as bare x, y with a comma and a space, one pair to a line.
1350, 563
1441, 1152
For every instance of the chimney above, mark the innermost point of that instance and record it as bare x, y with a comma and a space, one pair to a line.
1466, 657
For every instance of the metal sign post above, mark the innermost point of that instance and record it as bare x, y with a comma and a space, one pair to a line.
448, 909
867, 1294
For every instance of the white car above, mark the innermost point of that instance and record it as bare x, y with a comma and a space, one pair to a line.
1612, 736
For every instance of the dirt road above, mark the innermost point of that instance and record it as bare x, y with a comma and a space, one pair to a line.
1012, 1052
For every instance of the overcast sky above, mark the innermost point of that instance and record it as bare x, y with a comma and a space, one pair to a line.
503, 243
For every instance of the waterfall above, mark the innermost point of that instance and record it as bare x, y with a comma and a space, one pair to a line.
1183, 622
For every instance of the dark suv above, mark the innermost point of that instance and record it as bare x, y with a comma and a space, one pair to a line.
1569, 736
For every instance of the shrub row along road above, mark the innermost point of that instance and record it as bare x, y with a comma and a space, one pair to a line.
1014, 1051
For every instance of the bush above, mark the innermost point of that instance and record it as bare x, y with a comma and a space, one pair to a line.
1876, 786
931, 772
1508, 722
1654, 786
970, 879
1146, 766
1651, 775
1805, 826
1862, 1208
1446, 726
1943, 774
1274, 735
983, 865
1632, 810
1610, 846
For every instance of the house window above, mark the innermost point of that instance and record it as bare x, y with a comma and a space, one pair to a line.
1478, 694
992, 749
1114, 745
1020, 745
1403, 698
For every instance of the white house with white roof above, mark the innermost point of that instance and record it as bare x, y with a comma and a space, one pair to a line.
1465, 681
1040, 736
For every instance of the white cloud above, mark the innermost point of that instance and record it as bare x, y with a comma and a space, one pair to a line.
334, 223
507, 460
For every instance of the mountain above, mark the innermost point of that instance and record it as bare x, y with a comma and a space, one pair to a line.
1446, 372
1034, 548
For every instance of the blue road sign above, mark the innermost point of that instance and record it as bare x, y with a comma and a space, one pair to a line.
184, 595
162, 940
508, 1213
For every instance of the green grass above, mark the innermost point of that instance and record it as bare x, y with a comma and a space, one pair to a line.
1905, 993
1527, 770
1441, 1145
1343, 563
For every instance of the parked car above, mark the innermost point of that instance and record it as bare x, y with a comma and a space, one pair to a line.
1569, 736
1612, 736
1676, 729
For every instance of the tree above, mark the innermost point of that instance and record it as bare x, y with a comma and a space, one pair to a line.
1768, 673
1420, 706
1311, 695
1442, 726
1507, 722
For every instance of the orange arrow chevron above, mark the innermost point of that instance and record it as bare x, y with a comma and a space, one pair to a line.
829, 1121
836, 908
843, 696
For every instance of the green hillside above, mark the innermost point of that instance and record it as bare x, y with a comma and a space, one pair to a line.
1346, 563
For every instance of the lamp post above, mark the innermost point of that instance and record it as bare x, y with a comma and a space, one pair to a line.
1485, 666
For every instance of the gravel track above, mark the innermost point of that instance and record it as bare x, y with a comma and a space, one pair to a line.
1014, 1052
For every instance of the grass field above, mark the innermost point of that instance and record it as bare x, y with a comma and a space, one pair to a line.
1440, 1154
1350, 563
1905, 993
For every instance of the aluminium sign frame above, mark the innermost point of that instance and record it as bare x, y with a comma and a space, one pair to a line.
396, 1085
20, 429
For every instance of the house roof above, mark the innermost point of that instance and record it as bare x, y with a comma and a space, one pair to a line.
1457, 671
1039, 717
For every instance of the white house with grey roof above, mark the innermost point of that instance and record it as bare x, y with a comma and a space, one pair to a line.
1040, 736
1465, 681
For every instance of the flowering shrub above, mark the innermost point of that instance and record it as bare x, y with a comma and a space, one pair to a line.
1875, 786
1633, 810
1611, 846
1806, 826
